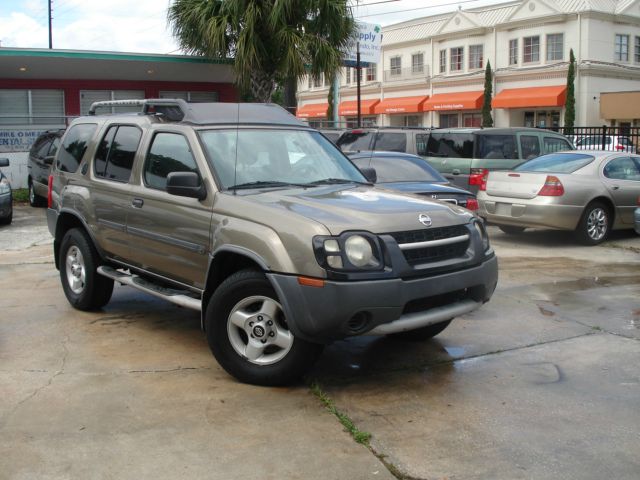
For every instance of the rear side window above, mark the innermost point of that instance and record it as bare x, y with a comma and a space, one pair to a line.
54, 146
169, 152
421, 144
355, 141
553, 144
74, 145
44, 149
391, 142
529, 146
622, 168
453, 145
115, 155
556, 163
497, 146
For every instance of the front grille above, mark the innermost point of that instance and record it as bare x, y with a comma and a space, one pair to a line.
437, 253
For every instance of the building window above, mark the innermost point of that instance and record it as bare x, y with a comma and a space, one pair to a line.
29, 107
476, 54
456, 59
448, 120
472, 120
555, 47
621, 52
417, 63
371, 72
310, 80
396, 65
513, 51
637, 50
348, 75
317, 81
443, 61
191, 97
87, 97
531, 49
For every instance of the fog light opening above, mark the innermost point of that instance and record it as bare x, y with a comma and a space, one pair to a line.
359, 322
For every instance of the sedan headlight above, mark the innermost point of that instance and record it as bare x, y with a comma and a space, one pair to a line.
5, 186
349, 251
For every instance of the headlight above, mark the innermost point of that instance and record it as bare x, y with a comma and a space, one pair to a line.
483, 234
5, 187
350, 251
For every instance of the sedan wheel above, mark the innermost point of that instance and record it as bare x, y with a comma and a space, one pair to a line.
594, 225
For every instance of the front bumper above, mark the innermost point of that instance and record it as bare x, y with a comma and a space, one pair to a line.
342, 309
6, 205
538, 212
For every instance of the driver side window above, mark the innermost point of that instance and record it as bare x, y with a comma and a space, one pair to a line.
169, 152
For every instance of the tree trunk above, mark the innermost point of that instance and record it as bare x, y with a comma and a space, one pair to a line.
290, 90
262, 86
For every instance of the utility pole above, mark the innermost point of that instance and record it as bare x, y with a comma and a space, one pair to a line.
50, 32
358, 75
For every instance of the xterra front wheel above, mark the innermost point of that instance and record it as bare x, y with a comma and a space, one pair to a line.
249, 335
83, 286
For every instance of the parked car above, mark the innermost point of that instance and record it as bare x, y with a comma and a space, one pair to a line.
6, 196
41, 157
246, 214
465, 155
612, 143
411, 174
636, 217
332, 134
590, 192
389, 139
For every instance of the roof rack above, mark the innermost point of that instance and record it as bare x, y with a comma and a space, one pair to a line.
148, 106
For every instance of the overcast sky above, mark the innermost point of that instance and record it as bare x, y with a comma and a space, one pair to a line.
141, 26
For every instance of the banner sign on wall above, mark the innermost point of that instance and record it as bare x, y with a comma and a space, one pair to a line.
18, 139
369, 37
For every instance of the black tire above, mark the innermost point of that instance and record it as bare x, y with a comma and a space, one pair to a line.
594, 225
424, 333
92, 290
250, 297
511, 230
7, 220
35, 200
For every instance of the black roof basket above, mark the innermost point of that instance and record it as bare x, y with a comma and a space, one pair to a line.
173, 109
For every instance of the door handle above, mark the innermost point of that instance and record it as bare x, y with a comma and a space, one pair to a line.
615, 187
137, 203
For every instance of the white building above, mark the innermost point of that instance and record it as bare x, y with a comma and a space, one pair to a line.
432, 68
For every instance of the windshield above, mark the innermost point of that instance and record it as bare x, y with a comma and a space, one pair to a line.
402, 169
273, 157
355, 141
556, 163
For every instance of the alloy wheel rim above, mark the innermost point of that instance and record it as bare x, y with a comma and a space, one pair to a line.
257, 330
32, 194
597, 224
76, 270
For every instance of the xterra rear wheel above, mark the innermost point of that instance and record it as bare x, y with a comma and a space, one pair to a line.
83, 286
35, 200
249, 335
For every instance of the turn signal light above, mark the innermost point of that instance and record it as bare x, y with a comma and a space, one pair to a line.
552, 187
311, 282
50, 192
472, 204
476, 176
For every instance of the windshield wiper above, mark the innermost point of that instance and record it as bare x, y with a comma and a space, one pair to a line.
336, 181
266, 184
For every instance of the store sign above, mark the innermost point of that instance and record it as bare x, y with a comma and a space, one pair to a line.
18, 139
369, 40
449, 106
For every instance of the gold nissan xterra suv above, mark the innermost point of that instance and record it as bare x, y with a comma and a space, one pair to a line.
246, 214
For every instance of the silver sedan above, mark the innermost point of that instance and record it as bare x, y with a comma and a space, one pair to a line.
590, 192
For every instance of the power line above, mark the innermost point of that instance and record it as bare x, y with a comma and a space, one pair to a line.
418, 8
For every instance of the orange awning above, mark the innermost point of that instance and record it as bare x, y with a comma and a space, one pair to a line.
401, 105
313, 110
531, 97
455, 101
351, 107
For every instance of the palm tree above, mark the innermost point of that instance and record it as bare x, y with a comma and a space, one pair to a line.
270, 41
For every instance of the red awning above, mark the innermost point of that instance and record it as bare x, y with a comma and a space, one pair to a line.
401, 105
313, 110
351, 107
531, 97
455, 101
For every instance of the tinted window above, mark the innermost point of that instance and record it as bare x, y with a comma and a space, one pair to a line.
529, 146
622, 168
455, 145
391, 142
354, 142
54, 146
421, 143
114, 157
556, 163
74, 145
44, 149
496, 146
553, 144
404, 170
169, 152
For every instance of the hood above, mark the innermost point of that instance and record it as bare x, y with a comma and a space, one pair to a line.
423, 187
347, 207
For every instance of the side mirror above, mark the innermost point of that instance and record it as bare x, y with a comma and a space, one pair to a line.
49, 160
4, 162
186, 184
370, 174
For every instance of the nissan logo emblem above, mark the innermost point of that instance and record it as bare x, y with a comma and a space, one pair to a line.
425, 220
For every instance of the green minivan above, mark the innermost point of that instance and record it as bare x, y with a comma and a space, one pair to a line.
465, 155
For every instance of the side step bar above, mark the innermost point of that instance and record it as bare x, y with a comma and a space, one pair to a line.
172, 295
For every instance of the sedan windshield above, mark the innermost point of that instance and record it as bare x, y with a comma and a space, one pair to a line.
556, 163
401, 169
262, 158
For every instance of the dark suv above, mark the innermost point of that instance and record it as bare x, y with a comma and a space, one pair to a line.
40, 159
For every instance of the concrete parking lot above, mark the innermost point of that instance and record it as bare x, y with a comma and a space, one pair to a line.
542, 382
